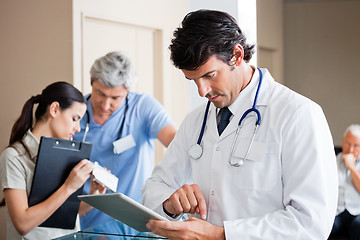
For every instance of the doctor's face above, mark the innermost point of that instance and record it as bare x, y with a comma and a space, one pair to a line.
351, 144
216, 81
105, 100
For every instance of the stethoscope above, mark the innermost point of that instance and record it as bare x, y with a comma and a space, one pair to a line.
196, 150
122, 123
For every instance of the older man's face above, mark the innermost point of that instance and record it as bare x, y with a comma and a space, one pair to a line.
351, 144
105, 101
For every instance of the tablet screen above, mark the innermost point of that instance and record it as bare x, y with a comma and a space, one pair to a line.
123, 208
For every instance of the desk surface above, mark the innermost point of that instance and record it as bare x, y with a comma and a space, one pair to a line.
111, 230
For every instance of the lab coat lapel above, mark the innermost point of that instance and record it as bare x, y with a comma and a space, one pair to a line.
245, 103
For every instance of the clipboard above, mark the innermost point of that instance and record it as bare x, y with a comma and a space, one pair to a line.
55, 160
123, 208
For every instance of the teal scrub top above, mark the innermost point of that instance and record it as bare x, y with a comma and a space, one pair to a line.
144, 119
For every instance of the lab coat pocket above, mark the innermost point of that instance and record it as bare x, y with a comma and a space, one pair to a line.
259, 170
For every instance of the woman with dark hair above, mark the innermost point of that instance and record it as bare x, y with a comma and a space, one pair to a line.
59, 109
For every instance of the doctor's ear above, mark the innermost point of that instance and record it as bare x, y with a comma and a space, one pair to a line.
238, 55
54, 109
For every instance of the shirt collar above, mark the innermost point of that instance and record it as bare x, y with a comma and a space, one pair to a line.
31, 143
246, 97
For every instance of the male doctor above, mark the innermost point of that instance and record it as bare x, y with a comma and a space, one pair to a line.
280, 185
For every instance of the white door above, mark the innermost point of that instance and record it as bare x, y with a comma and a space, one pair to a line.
142, 30
101, 36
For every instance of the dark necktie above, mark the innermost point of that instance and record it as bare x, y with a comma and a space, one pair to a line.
225, 115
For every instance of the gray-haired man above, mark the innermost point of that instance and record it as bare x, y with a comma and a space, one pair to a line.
122, 127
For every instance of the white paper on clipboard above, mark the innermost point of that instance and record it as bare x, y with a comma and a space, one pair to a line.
123, 208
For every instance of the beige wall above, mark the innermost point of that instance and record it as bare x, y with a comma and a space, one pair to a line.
270, 37
35, 49
33, 53
322, 58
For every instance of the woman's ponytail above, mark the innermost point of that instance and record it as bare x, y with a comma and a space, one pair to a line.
25, 121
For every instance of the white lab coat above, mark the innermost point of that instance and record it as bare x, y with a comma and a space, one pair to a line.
286, 189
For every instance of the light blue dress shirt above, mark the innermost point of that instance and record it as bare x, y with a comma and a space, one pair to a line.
349, 197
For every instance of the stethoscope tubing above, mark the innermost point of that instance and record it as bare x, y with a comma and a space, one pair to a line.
253, 108
257, 124
204, 123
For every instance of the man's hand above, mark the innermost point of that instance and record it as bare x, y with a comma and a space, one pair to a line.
187, 199
96, 188
192, 228
349, 160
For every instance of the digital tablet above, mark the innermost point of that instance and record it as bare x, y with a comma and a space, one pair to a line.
123, 208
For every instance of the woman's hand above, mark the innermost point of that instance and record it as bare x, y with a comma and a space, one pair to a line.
26, 218
78, 175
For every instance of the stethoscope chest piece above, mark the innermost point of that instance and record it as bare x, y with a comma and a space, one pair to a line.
195, 151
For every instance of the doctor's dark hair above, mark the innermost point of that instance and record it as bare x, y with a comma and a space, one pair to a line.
62, 92
205, 33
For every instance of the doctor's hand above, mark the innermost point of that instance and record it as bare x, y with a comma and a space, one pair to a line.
96, 188
349, 160
192, 228
187, 199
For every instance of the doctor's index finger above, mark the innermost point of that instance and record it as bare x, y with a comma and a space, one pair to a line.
201, 207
